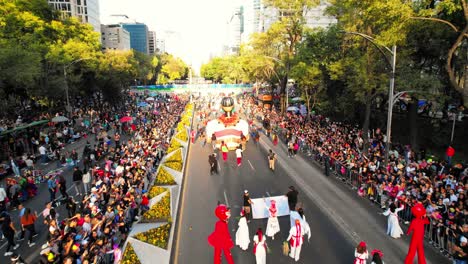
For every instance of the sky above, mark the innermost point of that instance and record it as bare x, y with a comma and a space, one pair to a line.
193, 29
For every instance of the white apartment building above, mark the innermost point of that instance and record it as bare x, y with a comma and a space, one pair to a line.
160, 46
152, 42
114, 37
86, 11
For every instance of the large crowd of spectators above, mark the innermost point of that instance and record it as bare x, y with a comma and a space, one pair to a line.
111, 189
408, 177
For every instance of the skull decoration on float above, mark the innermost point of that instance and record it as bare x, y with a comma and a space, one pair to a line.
228, 127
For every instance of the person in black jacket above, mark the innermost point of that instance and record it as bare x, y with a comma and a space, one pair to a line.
292, 198
213, 164
78, 180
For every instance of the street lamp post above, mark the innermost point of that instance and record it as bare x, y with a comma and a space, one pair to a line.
65, 67
392, 98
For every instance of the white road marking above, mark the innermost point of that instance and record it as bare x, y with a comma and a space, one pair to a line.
251, 165
225, 199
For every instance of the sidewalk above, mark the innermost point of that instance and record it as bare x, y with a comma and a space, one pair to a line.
357, 218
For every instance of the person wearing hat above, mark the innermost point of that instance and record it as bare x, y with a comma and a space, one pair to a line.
460, 255
247, 206
360, 253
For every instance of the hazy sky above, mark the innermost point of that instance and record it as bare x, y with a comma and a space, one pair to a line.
194, 28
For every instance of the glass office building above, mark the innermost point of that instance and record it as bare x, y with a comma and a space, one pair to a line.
138, 36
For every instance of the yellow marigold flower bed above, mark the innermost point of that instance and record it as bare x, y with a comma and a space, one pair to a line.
175, 161
164, 178
156, 236
155, 191
129, 256
174, 145
180, 127
160, 211
182, 135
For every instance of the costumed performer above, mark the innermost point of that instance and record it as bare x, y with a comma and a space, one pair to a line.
273, 226
220, 239
360, 253
260, 247
377, 256
393, 225
295, 239
417, 240
242, 234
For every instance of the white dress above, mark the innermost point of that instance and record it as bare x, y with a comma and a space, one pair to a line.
273, 226
360, 258
260, 251
242, 234
393, 226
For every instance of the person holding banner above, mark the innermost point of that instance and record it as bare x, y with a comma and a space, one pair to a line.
260, 247
247, 206
242, 234
295, 239
273, 226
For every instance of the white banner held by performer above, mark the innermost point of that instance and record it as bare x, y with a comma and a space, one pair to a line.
260, 206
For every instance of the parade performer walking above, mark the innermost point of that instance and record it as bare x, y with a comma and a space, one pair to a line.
239, 155
193, 133
417, 240
273, 226
242, 234
393, 226
295, 239
224, 150
377, 256
360, 253
271, 160
220, 239
260, 247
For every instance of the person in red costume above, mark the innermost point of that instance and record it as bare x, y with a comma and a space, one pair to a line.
417, 240
220, 239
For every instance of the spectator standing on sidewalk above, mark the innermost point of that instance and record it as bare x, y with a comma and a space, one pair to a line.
86, 181
78, 180
8, 230
271, 160
290, 149
62, 184
460, 255
74, 157
14, 167
43, 152
239, 155
292, 198
52, 186
27, 222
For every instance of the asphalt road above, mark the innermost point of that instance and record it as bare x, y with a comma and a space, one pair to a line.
203, 191
338, 218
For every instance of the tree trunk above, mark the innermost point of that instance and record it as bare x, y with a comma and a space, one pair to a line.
283, 87
365, 127
413, 123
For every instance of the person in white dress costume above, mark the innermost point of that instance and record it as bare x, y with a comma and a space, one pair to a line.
299, 215
361, 254
242, 234
296, 240
393, 226
260, 247
273, 226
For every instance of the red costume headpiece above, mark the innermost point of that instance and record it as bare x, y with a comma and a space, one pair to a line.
222, 212
273, 208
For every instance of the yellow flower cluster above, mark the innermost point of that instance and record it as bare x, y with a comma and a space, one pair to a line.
164, 178
129, 256
182, 135
175, 161
155, 191
159, 212
174, 145
156, 236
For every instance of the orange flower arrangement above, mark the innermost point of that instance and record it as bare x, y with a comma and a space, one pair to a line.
229, 121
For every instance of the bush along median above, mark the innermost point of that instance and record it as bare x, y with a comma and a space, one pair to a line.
150, 240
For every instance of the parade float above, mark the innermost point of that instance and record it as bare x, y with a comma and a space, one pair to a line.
228, 127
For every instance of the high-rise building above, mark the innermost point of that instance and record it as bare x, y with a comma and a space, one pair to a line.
151, 42
235, 30
160, 46
86, 11
114, 37
138, 36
